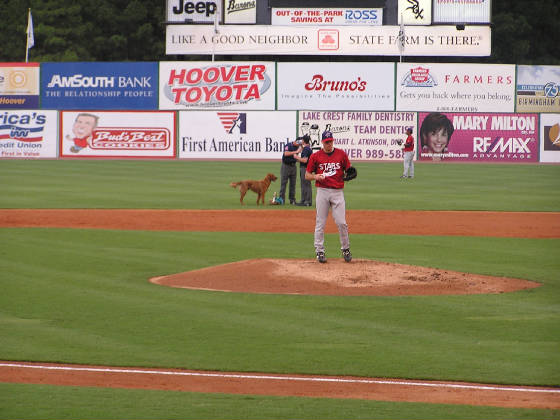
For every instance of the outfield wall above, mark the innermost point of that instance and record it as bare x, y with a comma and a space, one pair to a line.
249, 110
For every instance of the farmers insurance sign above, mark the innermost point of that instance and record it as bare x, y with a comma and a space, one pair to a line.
455, 87
317, 40
216, 85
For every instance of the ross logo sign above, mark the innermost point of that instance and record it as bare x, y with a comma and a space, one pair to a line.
538, 88
180, 11
117, 134
326, 16
19, 85
28, 134
95, 85
215, 85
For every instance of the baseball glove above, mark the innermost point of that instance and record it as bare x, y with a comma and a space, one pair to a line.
399, 142
351, 173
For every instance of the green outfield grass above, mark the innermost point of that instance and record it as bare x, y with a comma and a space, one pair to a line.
205, 185
83, 296
50, 402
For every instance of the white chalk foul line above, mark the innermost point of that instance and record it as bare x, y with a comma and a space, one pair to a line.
281, 378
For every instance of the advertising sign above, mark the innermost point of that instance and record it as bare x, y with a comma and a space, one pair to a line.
550, 138
415, 12
462, 11
324, 16
362, 135
19, 85
538, 89
455, 87
28, 134
93, 85
217, 85
324, 86
180, 11
133, 134
478, 137
235, 135
240, 11
320, 40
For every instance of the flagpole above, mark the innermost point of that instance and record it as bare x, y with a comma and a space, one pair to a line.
215, 32
401, 39
27, 36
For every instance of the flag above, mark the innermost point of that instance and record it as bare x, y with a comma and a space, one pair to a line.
30, 37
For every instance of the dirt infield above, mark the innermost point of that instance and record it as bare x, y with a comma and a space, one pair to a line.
380, 389
358, 277
442, 223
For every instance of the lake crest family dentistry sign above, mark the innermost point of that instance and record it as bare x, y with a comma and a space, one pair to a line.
325, 40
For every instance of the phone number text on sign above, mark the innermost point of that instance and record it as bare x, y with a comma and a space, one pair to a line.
383, 154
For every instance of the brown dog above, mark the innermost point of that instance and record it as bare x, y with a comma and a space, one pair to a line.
260, 187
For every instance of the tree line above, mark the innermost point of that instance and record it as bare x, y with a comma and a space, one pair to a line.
122, 30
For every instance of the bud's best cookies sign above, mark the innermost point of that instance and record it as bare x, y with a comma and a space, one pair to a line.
139, 134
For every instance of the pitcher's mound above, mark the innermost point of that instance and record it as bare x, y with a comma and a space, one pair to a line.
336, 277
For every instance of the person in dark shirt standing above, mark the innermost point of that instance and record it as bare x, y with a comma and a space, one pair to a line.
288, 171
303, 158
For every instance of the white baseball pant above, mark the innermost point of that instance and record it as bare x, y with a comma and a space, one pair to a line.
328, 198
